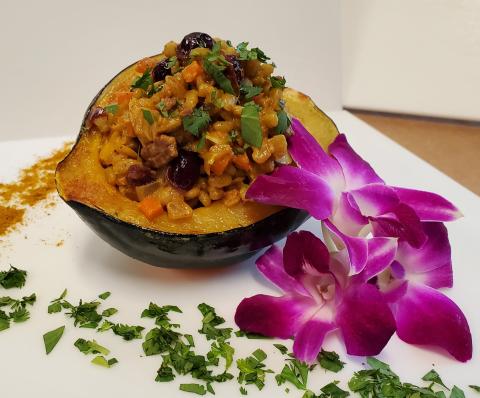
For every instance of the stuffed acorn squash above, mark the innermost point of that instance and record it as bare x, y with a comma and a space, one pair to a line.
168, 148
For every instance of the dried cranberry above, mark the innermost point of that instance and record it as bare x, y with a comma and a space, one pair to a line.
234, 70
184, 170
138, 174
161, 71
191, 41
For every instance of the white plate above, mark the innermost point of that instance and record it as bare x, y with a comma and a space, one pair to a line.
87, 266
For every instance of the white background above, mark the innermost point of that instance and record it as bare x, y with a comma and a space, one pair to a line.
56, 54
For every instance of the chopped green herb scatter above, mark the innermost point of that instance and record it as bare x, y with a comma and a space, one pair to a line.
196, 122
457, 393
252, 336
147, 115
12, 278
277, 81
434, 377
250, 125
247, 55
250, 91
243, 391
295, 372
84, 314
330, 360
210, 322
252, 369
331, 390
474, 387
112, 108
104, 295
159, 340
50, 339
128, 332
216, 71
109, 312
160, 314
90, 347
193, 388
281, 348
283, 122
144, 81
221, 349
18, 311
102, 361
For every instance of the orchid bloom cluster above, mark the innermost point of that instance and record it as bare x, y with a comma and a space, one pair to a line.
384, 255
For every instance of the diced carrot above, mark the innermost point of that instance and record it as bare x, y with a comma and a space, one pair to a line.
124, 97
242, 162
144, 64
219, 166
191, 72
151, 207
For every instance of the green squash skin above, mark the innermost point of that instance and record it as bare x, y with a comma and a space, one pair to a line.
170, 250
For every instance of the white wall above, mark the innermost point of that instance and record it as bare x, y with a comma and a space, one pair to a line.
412, 56
56, 54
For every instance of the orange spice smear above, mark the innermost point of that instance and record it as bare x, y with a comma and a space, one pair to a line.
33, 185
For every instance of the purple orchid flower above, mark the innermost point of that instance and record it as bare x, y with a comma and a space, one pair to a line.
343, 191
423, 315
319, 298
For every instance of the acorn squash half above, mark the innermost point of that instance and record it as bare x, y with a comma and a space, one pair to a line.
215, 235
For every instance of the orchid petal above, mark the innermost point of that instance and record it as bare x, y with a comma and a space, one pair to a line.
357, 172
365, 320
292, 187
309, 155
273, 316
375, 199
428, 205
309, 339
347, 216
270, 264
402, 223
381, 253
357, 247
433, 261
304, 253
427, 317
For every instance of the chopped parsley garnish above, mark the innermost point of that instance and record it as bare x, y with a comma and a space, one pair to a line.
278, 81
56, 305
112, 108
14, 277
283, 122
171, 61
244, 54
164, 373
201, 142
295, 372
159, 341
250, 91
162, 108
210, 322
331, 390
221, 349
147, 115
109, 312
281, 348
457, 393
50, 339
128, 332
144, 81
106, 325
104, 295
243, 391
216, 72
248, 335
252, 369
18, 313
474, 387
193, 388
160, 314
330, 360
90, 347
85, 315
102, 361
196, 122
250, 125
434, 377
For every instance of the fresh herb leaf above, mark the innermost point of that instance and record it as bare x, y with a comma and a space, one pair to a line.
250, 125
250, 91
252, 370
104, 295
474, 387
375, 363
4, 321
147, 115
330, 360
14, 277
247, 55
19, 315
193, 388
90, 347
84, 314
144, 81
106, 325
160, 314
50, 339
295, 372
159, 340
189, 339
171, 61
434, 377
164, 373
112, 108
243, 391
162, 108
201, 142
331, 390
281, 348
210, 322
128, 332
283, 122
102, 361
216, 72
109, 312
196, 122
457, 393
277, 81
223, 350
56, 305
248, 335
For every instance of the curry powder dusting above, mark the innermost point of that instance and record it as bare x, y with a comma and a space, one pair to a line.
33, 185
